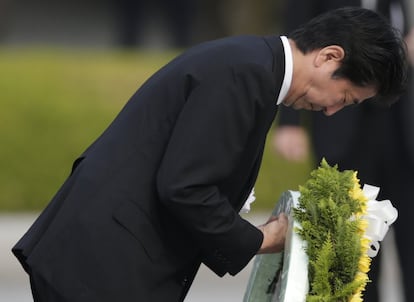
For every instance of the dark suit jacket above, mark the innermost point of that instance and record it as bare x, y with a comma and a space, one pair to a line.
160, 190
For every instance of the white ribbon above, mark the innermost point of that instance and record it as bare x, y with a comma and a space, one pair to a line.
380, 215
248, 202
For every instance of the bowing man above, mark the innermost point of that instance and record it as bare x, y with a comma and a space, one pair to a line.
159, 192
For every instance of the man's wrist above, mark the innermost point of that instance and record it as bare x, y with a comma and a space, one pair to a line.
262, 249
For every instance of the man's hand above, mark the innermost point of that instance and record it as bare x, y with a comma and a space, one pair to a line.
274, 234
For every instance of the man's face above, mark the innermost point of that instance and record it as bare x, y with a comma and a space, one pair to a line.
331, 95
319, 90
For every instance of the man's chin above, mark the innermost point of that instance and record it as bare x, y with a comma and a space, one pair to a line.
293, 105
301, 105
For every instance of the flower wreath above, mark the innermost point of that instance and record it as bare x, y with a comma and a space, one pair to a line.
334, 231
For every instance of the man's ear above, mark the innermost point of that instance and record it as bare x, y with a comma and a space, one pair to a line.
331, 52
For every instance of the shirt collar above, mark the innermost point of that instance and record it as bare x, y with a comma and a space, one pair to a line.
287, 80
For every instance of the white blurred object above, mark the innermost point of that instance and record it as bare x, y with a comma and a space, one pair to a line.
248, 202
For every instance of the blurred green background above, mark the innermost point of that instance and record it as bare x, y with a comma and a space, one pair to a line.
55, 102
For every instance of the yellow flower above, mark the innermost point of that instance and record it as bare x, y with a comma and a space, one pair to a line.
356, 298
356, 192
362, 227
365, 242
364, 263
361, 277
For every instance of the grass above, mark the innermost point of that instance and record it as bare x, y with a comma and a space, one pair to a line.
55, 102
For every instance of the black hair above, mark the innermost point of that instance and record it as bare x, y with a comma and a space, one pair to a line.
375, 52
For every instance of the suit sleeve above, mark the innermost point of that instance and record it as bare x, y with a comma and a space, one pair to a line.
206, 144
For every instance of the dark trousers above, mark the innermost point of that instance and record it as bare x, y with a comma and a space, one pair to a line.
42, 291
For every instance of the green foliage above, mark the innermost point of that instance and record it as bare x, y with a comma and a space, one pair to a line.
325, 213
55, 102
322, 264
